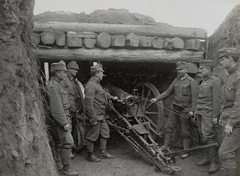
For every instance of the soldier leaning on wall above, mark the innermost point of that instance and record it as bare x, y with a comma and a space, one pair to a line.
230, 113
59, 109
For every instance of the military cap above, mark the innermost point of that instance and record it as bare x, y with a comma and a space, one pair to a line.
229, 52
59, 66
207, 63
192, 67
181, 65
96, 68
73, 65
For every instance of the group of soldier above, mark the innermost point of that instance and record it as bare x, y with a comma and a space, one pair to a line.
211, 101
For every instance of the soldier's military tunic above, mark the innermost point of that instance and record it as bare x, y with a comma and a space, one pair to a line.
59, 108
231, 115
95, 104
185, 92
208, 106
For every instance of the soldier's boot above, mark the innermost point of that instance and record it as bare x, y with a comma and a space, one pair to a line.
186, 145
91, 157
214, 167
227, 172
205, 161
104, 154
57, 158
167, 140
66, 161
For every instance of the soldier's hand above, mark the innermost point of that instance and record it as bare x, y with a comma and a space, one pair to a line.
153, 100
114, 98
66, 127
228, 129
215, 121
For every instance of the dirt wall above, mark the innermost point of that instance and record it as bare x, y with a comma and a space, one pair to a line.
24, 148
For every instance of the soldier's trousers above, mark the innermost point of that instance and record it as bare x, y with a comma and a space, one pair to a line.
228, 151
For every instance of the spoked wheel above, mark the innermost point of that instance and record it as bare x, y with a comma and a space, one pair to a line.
150, 113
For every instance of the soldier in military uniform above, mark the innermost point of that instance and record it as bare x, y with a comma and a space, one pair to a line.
59, 109
96, 100
230, 113
185, 90
208, 113
75, 92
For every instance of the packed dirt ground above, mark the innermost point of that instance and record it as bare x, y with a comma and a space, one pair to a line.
128, 162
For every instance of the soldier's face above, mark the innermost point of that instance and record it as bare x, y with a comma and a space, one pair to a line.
100, 75
181, 72
61, 75
226, 62
204, 71
73, 71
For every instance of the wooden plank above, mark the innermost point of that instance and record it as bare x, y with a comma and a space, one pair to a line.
132, 40
192, 44
145, 42
74, 40
118, 40
157, 43
123, 29
104, 40
120, 55
48, 37
60, 38
89, 42
35, 38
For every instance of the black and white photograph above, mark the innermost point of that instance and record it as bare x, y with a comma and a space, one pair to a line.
120, 88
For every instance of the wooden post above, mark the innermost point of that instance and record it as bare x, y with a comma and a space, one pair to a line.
74, 40
146, 42
48, 37
89, 42
157, 43
132, 40
35, 38
104, 40
118, 41
60, 38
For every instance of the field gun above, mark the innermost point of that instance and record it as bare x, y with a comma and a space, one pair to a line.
131, 121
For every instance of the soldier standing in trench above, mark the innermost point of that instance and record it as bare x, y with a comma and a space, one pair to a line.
230, 113
185, 90
96, 100
59, 109
208, 112
75, 92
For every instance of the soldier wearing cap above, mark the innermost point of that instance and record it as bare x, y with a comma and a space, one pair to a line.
59, 109
208, 112
95, 104
185, 92
230, 112
75, 92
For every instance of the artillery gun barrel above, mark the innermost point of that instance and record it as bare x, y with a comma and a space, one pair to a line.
128, 99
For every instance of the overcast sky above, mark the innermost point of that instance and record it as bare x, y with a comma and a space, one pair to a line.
206, 14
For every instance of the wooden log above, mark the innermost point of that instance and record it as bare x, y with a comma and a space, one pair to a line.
132, 40
48, 37
89, 42
104, 40
118, 41
120, 55
145, 42
74, 40
192, 44
157, 43
60, 38
35, 38
123, 29
173, 43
